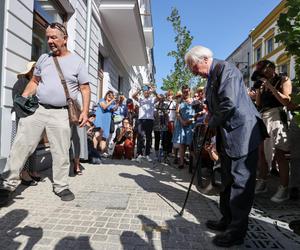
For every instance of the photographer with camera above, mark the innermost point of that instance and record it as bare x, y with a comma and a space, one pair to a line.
160, 128
273, 94
183, 132
124, 141
105, 108
119, 112
145, 120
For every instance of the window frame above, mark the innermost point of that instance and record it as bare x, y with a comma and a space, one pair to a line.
43, 22
258, 48
267, 47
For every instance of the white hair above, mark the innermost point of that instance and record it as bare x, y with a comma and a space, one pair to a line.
197, 54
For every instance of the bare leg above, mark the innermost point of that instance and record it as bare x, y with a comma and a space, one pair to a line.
283, 167
262, 163
182, 148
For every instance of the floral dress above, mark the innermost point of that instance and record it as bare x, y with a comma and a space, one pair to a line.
184, 134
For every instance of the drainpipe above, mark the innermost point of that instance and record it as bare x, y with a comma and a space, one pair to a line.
88, 33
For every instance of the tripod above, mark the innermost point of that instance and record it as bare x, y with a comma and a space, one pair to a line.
195, 171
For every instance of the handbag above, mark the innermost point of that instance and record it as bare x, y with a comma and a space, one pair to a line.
74, 110
117, 118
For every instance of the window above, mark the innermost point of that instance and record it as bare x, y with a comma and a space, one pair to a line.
120, 89
269, 45
50, 10
100, 74
283, 68
257, 54
45, 12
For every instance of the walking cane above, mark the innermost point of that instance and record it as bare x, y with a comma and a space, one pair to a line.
194, 174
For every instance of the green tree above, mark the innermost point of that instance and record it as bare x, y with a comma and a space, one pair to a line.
289, 33
180, 75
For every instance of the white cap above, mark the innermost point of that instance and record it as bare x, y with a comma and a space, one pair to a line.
29, 66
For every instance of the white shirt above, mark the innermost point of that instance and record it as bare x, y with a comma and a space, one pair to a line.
146, 108
172, 111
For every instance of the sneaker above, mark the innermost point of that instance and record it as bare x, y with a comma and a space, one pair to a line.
66, 195
281, 195
96, 160
138, 159
261, 187
148, 158
105, 155
166, 161
5, 196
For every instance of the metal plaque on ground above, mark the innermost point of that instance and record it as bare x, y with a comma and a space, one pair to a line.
105, 200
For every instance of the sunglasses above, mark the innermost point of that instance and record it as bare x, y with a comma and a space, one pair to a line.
59, 27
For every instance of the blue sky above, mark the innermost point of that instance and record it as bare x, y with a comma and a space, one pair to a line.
221, 25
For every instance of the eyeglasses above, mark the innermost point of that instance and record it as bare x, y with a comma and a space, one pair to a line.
59, 27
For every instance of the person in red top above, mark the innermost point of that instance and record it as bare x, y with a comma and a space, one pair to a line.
124, 141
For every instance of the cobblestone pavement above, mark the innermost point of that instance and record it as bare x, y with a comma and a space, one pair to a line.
125, 205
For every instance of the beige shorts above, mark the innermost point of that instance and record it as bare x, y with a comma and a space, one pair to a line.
277, 131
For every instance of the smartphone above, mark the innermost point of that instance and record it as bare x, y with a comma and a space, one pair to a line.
145, 88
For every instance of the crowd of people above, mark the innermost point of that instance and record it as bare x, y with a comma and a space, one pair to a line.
249, 130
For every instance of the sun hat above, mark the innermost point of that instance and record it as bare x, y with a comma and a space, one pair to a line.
29, 66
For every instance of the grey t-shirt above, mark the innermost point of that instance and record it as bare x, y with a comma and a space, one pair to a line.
50, 90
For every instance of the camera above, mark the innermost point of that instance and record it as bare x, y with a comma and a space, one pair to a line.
257, 79
197, 106
118, 96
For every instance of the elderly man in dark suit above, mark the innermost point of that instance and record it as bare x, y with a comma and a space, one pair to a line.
239, 130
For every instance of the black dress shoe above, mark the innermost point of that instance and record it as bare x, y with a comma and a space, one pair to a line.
5, 197
217, 225
66, 195
227, 239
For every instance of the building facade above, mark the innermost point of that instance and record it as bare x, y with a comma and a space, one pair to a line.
264, 45
241, 57
113, 37
261, 45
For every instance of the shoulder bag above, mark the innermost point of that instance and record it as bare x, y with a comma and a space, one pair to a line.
73, 106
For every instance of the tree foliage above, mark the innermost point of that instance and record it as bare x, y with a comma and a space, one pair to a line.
289, 33
180, 75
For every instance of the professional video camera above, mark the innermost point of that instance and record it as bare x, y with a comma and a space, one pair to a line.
257, 78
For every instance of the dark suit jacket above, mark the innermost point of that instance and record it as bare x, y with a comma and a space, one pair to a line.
232, 110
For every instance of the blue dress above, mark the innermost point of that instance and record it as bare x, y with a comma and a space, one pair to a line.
103, 118
184, 135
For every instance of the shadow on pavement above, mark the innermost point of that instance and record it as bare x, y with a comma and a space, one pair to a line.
10, 230
82, 242
264, 232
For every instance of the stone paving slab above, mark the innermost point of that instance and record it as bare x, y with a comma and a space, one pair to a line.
124, 205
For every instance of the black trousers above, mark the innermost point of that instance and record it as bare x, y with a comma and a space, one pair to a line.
161, 136
145, 128
236, 198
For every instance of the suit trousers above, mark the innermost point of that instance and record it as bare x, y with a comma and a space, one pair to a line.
236, 198
30, 129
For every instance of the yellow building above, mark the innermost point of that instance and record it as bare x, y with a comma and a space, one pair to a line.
265, 47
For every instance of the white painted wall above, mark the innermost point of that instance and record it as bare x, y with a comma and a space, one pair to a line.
17, 52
